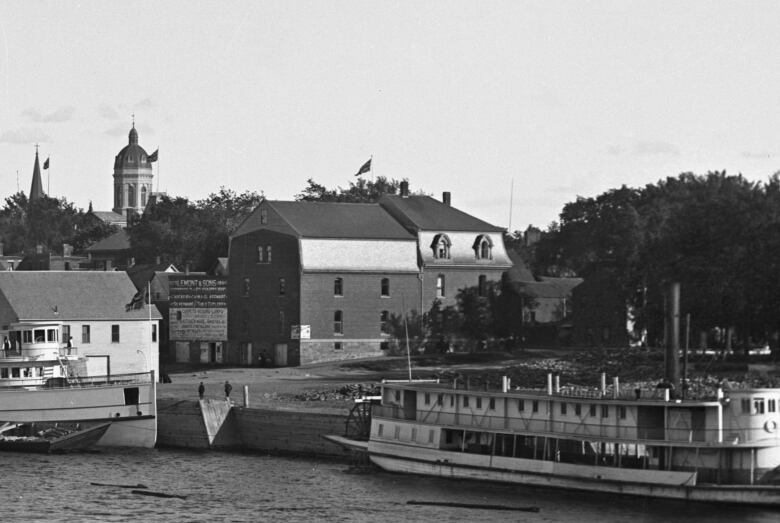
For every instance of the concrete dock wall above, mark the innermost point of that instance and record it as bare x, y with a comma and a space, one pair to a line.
293, 431
210, 424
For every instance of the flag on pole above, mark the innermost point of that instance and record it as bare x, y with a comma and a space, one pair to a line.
153, 156
365, 168
141, 297
46, 164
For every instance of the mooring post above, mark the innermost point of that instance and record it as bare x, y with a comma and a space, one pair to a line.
549, 384
557, 383
603, 383
246, 395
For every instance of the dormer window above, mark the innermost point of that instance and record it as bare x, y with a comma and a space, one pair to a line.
483, 247
441, 247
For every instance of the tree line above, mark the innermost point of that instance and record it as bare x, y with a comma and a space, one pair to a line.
718, 235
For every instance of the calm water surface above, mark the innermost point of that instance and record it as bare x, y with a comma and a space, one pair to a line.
222, 486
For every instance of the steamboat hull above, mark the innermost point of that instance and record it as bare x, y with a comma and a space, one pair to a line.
656, 484
130, 407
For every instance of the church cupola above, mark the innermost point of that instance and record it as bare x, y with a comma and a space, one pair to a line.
132, 177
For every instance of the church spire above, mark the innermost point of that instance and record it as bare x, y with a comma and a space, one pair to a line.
36, 189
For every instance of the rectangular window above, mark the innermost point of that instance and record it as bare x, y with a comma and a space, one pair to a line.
427, 398
452, 400
563, 408
759, 406
260, 252
745, 404
605, 411
479, 402
39, 335
492, 404
535, 406
154, 332
337, 346
465, 401
246, 287
85, 334
384, 345
577, 409
593, 411
338, 287
65, 334
27, 336
520, 405
383, 317
268, 254
115, 334
385, 287
622, 411
440, 400
771, 405
282, 287
440, 291
338, 322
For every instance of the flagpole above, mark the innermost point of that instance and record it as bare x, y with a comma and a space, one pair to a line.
48, 176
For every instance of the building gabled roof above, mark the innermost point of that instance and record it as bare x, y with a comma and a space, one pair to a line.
110, 217
142, 274
71, 295
119, 241
428, 214
519, 271
332, 220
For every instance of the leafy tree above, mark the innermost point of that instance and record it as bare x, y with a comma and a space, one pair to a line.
195, 234
363, 190
46, 221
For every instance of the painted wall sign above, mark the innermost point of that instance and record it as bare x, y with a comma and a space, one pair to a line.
198, 308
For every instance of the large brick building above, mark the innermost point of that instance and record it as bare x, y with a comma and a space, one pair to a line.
317, 281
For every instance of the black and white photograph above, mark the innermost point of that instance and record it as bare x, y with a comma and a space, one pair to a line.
389, 260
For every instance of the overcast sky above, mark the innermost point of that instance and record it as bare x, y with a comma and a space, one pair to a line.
560, 98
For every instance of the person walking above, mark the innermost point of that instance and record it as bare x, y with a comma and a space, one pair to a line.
228, 388
201, 390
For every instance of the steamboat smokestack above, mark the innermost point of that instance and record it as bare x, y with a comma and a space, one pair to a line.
673, 343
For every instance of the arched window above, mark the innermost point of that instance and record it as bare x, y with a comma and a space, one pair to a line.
143, 195
483, 247
118, 197
268, 254
260, 251
385, 287
384, 316
441, 247
440, 290
338, 322
338, 287
131, 195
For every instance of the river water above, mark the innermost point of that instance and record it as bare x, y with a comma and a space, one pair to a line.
225, 486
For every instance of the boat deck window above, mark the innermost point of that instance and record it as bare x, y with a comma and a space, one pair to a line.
131, 395
51, 334
39, 335
563, 408
479, 402
535, 405
520, 405
577, 409
27, 336
771, 406
492, 404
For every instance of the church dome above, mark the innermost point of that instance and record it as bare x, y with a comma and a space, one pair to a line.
133, 156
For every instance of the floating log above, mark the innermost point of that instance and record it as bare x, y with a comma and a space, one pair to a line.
137, 485
473, 505
157, 494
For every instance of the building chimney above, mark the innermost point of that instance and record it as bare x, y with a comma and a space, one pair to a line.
404, 189
446, 198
